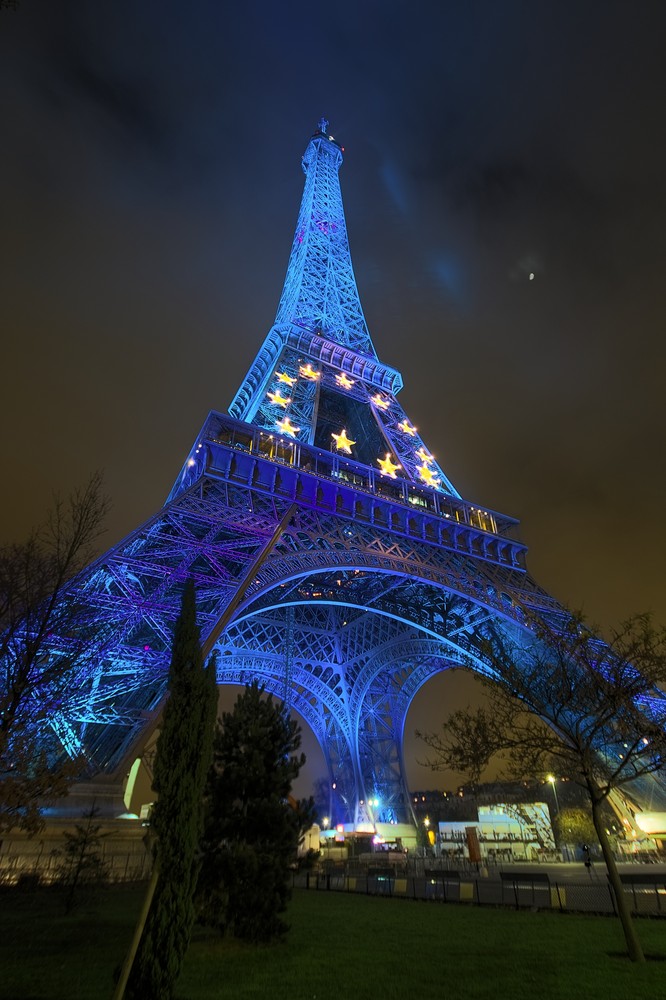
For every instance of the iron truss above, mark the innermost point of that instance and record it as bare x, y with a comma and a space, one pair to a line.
348, 620
320, 290
341, 570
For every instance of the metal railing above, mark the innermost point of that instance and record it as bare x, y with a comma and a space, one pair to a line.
44, 868
531, 890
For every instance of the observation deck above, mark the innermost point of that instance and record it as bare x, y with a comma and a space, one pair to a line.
271, 463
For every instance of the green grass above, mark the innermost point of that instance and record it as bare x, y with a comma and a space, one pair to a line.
339, 947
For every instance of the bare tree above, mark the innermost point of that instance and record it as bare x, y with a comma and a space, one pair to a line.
566, 701
81, 861
34, 672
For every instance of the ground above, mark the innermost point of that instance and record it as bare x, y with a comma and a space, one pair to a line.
338, 945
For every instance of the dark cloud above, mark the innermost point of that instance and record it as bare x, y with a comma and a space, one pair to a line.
108, 93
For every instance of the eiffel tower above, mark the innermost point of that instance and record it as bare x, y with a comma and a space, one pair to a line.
333, 559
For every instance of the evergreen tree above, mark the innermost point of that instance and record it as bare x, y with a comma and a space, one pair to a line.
575, 826
182, 761
252, 827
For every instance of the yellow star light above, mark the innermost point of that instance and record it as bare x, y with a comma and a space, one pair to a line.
343, 381
424, 456
342, 442
278, 398
283, 377
387, 466
382, 404
406, 428
428, 476
286, 427
307, 371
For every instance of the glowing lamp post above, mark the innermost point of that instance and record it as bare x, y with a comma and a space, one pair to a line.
552, 779
428, 840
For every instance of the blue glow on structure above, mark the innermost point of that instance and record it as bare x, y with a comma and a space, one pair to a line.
354, 568
320, 291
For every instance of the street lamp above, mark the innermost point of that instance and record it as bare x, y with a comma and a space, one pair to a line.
552, 779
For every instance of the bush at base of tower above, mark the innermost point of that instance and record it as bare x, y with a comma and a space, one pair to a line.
252, 831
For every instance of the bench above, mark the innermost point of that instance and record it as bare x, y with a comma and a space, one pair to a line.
533, 881
643, 878
442, 875
643, 883
447, 884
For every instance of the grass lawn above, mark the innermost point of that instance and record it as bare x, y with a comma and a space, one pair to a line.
339, 947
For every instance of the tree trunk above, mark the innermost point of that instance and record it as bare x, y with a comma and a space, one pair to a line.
634, 947
126, 969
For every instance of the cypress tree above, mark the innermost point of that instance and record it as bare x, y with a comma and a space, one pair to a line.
183, 755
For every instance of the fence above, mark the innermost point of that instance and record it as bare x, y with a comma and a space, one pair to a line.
22, 861
530, 890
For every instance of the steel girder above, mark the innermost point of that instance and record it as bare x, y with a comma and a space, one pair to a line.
369, 659
361, 598
320, 290
374, 613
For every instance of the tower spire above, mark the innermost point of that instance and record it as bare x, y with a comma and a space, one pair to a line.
320, 293
317, 378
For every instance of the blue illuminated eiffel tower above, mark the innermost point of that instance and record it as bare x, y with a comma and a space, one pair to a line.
332, 557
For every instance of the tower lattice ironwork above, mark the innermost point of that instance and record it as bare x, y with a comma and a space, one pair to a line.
333, 559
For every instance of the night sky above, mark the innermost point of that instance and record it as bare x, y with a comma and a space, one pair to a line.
150, 182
